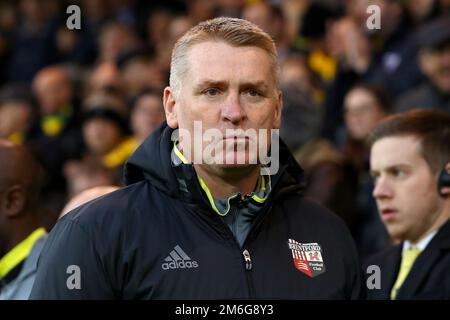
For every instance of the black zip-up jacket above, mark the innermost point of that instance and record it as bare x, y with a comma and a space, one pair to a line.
150, 240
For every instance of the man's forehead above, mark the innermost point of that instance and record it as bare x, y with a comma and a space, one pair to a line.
395, 150
207, 58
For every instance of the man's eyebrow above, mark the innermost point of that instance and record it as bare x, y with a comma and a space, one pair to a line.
218, 83
257, 84
210, 83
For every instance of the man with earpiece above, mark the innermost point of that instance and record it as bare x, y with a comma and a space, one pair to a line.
410, 164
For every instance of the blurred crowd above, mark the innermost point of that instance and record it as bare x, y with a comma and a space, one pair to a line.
81, 101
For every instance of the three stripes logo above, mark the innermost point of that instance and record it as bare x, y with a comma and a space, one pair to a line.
307, 257
178, 259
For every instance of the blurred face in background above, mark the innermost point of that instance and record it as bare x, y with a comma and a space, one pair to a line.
405, 188
147, 115
138, 74
105, 75
260, 15
14, 117
114, 40
362, 113
295, 73
101, 135
435, 63
53, 90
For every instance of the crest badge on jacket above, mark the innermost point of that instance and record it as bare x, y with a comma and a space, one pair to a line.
307, 257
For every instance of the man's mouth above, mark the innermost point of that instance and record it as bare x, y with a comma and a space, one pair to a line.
388, 214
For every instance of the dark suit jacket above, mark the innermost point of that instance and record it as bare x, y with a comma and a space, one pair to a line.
429, 277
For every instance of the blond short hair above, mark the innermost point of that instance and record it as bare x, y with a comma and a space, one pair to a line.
233, 31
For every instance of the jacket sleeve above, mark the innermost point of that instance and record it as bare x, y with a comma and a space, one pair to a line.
355, 284
70, 266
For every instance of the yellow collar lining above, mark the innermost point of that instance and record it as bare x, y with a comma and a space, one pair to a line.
208, 192
20, 252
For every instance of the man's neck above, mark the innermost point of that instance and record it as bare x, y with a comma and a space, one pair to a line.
440, 221
224, 182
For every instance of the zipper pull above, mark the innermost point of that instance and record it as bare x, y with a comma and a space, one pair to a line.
247, 259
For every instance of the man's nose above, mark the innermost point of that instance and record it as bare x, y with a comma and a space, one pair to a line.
381, 189
232, 109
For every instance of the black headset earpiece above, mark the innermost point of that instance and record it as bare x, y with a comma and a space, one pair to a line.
443, 180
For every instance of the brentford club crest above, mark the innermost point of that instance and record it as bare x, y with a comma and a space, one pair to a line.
307, 257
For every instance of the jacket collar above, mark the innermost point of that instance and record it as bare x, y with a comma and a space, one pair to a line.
425, 262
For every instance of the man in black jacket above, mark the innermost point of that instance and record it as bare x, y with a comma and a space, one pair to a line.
410, 161
208, 225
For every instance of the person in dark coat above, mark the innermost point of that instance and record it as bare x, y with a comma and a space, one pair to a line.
410, 163
204, 225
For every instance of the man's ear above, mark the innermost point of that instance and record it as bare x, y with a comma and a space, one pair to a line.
278, 109
170, 108
445, 188
13, 201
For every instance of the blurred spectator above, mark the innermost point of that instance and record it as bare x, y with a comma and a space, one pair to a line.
330, 179
8, 23
32, 41
365, 106
54, 92
115, 40
385, 56
270, 18
445, 6
313, 39
229, 8
17, 113
301, 118
86, 174
302, 114
86, 196
139, 72
58, 136
158, 26
105, 131
8, 16
422, 10
177, 27
147, 114
123, 11
296, 73
434, 59
200, 10
394, 50
21, 233
105, 76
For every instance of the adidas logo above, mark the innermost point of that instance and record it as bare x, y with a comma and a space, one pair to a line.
178, 259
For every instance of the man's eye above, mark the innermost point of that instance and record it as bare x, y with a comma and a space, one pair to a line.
253, 93
212, 92
398, 173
